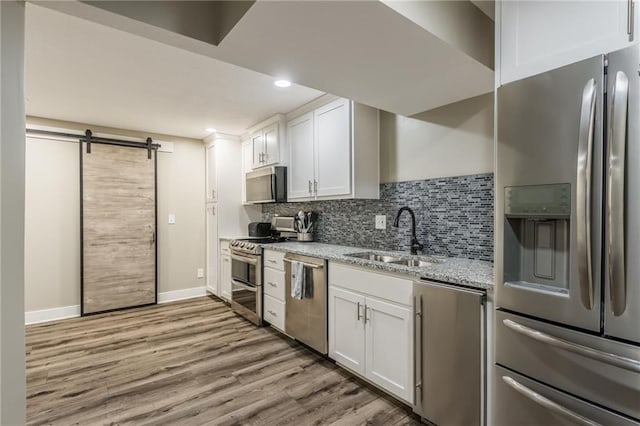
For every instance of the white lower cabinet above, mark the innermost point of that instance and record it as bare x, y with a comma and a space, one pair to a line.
273, 312
274, 300
388, 348
225, 277
346, 329
370, 334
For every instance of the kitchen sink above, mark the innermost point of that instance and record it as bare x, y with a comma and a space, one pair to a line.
376, 257
406, 261
417, 262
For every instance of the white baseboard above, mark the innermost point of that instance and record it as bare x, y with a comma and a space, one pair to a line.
187, 293
45, 315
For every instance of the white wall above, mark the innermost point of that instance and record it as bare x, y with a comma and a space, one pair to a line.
52, 237
453, 140
12, 158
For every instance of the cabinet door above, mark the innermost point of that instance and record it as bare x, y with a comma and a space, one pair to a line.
300, 134
333, 149
247, 166
389, 347
346, 329
271, 145
212, 180
212, 248
538, 36
258, 150
225, 277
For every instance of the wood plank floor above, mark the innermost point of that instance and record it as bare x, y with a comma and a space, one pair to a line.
188, 363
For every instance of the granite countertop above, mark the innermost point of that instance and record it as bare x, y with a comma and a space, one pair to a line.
472, 273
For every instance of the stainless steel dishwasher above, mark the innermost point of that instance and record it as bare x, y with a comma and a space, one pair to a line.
306, 318
450, 354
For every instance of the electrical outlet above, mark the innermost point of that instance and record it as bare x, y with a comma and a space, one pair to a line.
172, 219
381, 221
200, 273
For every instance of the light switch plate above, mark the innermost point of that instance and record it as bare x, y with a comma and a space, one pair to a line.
200, 273
172, 219
381, 221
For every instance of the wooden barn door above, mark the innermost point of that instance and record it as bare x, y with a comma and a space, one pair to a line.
118, 227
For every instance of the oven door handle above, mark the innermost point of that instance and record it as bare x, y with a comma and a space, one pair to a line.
244, 259
244, 286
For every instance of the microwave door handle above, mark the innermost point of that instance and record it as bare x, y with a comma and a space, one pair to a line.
615, 192
583, 192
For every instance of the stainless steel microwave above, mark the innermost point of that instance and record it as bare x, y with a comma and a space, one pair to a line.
267, 185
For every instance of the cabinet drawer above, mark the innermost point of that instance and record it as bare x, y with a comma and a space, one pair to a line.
273, 312
274, 259
377, 284
274, 283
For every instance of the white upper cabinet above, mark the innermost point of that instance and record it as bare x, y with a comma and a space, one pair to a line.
212, 181
247, 166
537, 36
258, 149
301, 176
333, 151
268, 141
271, 147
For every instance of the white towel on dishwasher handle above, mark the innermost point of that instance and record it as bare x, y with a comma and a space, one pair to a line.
297, 280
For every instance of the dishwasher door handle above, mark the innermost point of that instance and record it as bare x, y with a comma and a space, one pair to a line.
306, 265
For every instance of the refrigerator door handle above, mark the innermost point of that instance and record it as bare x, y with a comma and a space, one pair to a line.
615, 190
547, 403
608, 358
583, 192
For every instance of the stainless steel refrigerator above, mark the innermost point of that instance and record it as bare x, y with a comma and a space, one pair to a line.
567, 348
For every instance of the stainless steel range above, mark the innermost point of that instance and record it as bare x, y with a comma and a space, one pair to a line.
246, 277
246, 266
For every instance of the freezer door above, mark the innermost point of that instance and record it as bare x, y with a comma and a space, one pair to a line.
622, 218
600, 370
522, 401
550, 132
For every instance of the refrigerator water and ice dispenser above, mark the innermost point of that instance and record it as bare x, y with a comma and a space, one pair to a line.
536, 237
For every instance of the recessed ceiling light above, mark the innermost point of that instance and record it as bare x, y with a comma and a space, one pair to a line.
210, 129
282, 83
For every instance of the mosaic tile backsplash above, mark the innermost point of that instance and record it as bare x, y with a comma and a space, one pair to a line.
454, 217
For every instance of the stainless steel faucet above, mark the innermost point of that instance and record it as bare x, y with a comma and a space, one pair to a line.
415, 244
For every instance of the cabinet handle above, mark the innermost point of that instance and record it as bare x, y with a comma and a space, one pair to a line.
272, 284
315, 187
213, 193
272, 313
358, 314
367, 318
630, 19
213, 211
272, 261
417, 306
310, 190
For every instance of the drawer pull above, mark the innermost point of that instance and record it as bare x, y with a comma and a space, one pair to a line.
547, 403
612, 359
272, 284
272, 313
